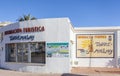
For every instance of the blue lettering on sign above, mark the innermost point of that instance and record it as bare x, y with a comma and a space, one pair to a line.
26, 37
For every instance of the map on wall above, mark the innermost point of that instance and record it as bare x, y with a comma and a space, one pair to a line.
95, 45
57, 50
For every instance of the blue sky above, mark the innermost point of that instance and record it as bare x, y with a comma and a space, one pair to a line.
82, 13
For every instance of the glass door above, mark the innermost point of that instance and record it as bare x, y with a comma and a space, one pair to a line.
22, 53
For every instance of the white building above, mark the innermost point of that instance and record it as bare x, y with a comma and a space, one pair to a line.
55, 46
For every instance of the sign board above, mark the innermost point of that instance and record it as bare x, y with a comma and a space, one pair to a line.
25, 30
98, 45
57, 50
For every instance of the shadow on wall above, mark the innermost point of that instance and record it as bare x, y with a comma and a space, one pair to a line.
111, 63
119, 61
69, 74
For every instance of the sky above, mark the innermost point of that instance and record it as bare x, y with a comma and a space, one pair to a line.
82, 13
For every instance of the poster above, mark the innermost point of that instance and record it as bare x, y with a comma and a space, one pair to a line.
100, 45
57, 50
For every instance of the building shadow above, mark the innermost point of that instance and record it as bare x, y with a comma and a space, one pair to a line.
119, 62
69, 74
111, 63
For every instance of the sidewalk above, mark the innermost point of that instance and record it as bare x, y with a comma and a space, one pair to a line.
96, 71
75, 72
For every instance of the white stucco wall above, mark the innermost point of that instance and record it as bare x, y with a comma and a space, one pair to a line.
56, 31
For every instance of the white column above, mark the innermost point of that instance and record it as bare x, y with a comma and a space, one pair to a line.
16, 51
29, 53
118, 49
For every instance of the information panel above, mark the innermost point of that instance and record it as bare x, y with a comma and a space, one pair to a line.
95, 45
57, 50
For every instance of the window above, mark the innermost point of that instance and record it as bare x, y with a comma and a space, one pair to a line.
11, 53
37, 52
26, 52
